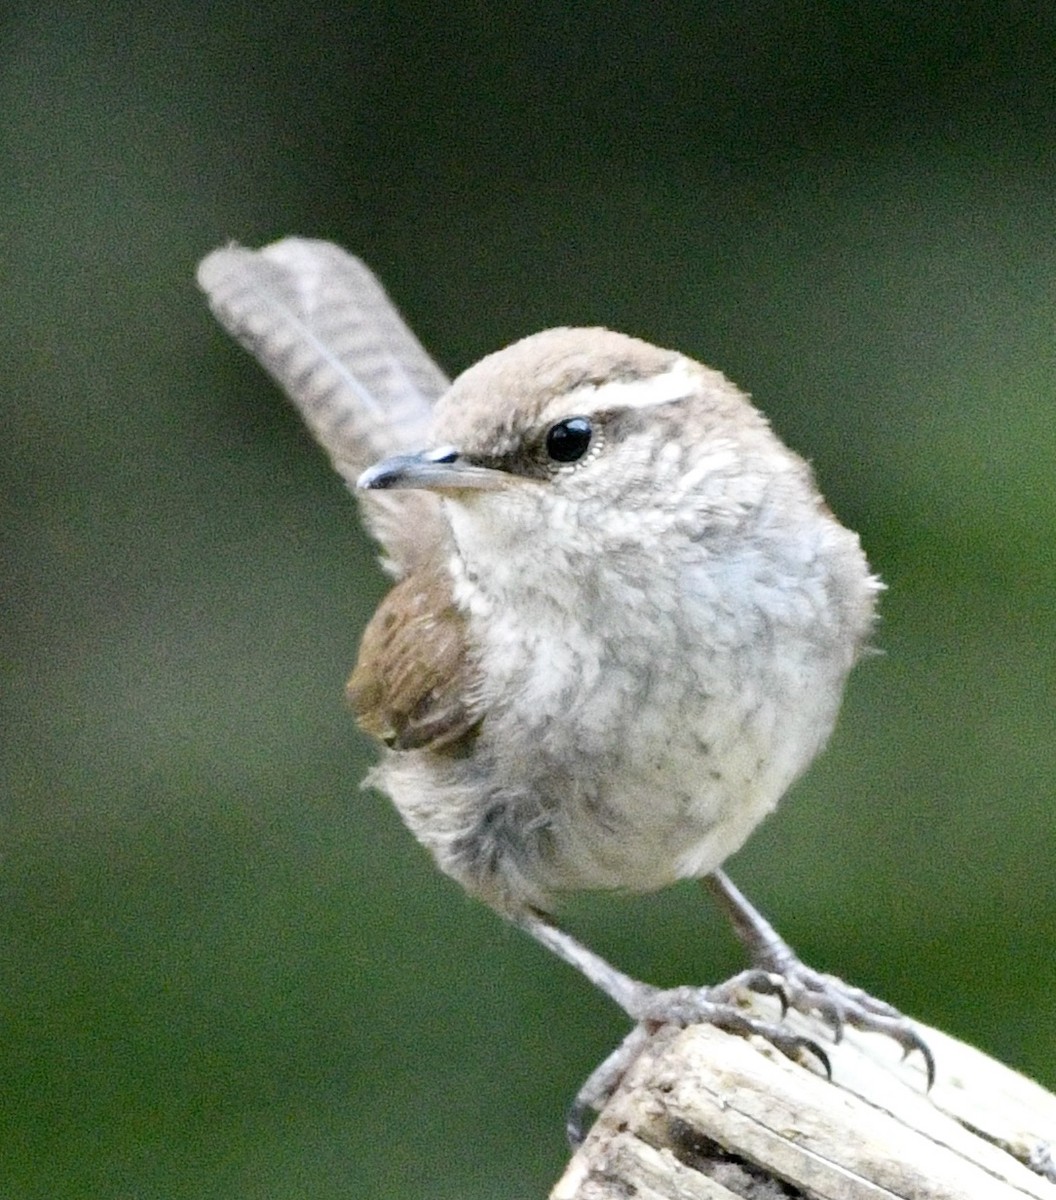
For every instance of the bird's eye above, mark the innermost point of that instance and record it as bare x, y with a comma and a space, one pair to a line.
567, 441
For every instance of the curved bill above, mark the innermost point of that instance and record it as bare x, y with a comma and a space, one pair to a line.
435, 470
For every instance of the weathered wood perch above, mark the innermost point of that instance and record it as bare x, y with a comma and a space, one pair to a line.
704, 1115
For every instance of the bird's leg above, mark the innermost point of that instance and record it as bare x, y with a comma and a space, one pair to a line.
805, 990
776, 970
630, 994
651, 1008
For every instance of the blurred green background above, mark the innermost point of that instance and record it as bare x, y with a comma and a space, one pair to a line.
226, 971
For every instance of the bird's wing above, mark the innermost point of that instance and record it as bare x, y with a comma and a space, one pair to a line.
415, 684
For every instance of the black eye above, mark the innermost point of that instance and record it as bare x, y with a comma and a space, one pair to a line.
567, 441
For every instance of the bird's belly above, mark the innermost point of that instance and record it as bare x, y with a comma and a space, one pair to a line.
625, 785
667, 808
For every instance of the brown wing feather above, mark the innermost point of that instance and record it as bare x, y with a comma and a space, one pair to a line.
414, 682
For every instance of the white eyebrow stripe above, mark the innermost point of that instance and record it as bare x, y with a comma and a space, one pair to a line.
673, 384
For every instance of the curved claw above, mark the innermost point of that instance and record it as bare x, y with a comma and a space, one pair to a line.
875, 1016
791, 1045
766, 983
811, 1047
908, 1038
924, 1050
831, 1011
755, 979
840, 1005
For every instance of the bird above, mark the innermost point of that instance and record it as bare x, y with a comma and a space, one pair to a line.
621, 621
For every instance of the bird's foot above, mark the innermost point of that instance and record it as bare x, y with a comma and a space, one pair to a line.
796, 987
777, 973
777, 970
827, 997
655, 1008
718, 1006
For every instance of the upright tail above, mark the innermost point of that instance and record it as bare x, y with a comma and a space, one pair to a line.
321, 325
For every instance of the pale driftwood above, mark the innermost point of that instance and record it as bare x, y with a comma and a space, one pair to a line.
705, 1115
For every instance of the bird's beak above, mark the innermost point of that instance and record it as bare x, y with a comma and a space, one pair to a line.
442, 470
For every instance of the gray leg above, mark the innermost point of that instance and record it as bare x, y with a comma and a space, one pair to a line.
806, 990
630, 994
651, 1008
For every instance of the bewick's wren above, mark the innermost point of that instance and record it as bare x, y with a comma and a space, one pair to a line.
623, 620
